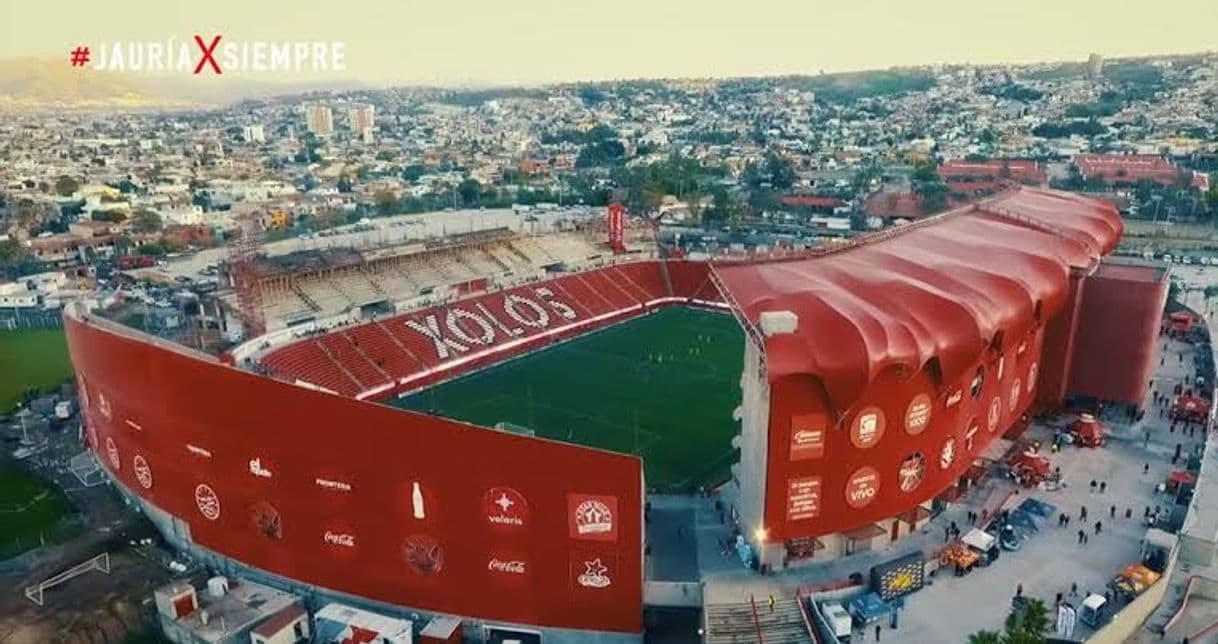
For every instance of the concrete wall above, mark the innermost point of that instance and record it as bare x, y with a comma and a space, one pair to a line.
754, 451
1130, 618
673, 593
1196, 551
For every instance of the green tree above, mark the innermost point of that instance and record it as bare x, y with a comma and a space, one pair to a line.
1028, 624
1174, 291
66, 186
925, 171
985, 637
146, 221
113, 216
385, 202
468, 191
413, 172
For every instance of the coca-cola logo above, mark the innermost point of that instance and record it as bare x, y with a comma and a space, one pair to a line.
512, 567
344, 539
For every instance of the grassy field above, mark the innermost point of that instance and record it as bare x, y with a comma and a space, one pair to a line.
31, 359
30, 509
663, 386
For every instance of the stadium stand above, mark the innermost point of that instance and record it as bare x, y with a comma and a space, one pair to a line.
414, 347
319, 284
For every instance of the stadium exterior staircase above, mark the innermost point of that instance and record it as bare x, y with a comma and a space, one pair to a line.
753, 621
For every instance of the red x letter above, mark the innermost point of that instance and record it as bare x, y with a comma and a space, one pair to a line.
208, 54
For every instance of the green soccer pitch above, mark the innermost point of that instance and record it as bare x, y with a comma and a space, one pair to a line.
37, 359
662, 386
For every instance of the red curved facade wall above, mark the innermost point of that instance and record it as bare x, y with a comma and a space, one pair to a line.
872, 404
1116, 335
862, 478
321, 488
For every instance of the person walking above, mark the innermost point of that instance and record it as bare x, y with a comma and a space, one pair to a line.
1081, 535
877, 632
1083, 513
1112, 512
1093, 484
771, 603
1098, 527
1103, 486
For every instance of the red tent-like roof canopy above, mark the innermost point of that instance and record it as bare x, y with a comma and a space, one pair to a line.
1192, 404
940, 289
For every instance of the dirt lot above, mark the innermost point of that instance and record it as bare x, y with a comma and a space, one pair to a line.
94, 607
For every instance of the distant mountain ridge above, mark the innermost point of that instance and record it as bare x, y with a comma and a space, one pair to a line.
33, 83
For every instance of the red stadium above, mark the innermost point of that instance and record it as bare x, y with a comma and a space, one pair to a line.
874, 373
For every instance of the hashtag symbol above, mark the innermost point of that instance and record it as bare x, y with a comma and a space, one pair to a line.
80, 56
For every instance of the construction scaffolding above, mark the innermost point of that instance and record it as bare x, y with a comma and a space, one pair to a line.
242, 254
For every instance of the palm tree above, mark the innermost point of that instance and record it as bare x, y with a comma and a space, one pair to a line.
985, 637
1027, 624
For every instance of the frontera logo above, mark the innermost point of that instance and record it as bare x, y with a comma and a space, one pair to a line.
595, 575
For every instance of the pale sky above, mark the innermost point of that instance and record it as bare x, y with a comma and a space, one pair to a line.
534, 41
